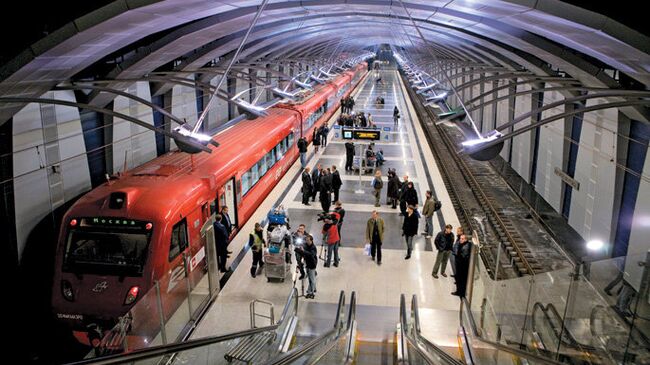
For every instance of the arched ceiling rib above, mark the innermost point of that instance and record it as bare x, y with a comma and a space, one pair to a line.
197, 31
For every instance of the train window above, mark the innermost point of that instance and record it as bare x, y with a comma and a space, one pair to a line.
246, 182
291, 139
270, 158
261, 166
278, 153
254, 175
179, 239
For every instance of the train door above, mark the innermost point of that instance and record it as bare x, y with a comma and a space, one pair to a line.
228, 198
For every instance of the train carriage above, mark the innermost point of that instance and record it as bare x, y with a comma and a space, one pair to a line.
124, 235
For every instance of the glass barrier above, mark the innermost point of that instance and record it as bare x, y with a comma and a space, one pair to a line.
598, 312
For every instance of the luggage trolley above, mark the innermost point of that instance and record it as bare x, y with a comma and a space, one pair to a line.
275, 256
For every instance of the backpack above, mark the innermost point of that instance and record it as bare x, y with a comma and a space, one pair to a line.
437, 205
378, 184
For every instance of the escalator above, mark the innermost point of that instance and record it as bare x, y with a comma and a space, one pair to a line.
596, 339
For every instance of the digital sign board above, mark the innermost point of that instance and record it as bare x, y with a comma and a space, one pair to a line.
366, 134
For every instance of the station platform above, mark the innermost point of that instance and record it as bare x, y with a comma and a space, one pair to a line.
378, 288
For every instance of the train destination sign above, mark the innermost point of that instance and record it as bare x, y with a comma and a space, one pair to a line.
367, 134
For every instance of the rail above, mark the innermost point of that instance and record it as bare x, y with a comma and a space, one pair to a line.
291, 306
472, 181
412, 338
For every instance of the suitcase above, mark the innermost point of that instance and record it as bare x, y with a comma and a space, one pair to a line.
275, 266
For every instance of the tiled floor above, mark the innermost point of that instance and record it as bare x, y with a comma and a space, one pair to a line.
378, 288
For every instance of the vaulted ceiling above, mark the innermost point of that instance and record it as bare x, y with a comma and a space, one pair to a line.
128, 39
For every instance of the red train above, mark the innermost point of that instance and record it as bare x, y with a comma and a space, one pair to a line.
124, 235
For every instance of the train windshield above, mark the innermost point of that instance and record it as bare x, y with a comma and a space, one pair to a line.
118, 251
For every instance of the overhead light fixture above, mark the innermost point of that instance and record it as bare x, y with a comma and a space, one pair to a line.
187, 141
423, 89
439, 97
471, 147
317, 79
595, 245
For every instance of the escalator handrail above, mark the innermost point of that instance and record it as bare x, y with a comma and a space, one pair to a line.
188, 345
297, 353
572, 342
465, 310
417, 336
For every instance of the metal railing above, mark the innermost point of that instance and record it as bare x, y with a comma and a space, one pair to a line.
313, 351
290, 310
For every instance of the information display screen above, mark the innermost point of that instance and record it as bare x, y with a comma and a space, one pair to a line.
367, 134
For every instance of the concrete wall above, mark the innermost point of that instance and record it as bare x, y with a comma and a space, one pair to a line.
592, 205
50, 165
218, 113
502, 117
137, 142
638, 245
522, 144
183, 106
551, 154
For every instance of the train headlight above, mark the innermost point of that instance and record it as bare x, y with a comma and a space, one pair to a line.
66, 290
132, 295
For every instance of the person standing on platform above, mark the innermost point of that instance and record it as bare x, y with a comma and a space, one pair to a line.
349, 155
325, 190
393, 189
410, 195
338, 208
311, 262
256, 242
444, 242
375, 235
377, 185
462, 265
410, 229
396, 115
402, 191
221, 243
325, 130
336, 182
315, 180
351, 103
331, 237
315, 140
298, 238
225, 220
302, 148
307, 186
428, 210
454, 249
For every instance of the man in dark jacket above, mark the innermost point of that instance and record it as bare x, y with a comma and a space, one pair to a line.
221, 243
325, 130
409, 195
306, 186
410, 228
402, 191
336, 182
310, 255
444, 243
349, 155
393, 189
225, 219
315, 180
326, 190
302, 148
462, 265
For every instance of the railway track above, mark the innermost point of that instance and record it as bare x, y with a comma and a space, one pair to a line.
488, 207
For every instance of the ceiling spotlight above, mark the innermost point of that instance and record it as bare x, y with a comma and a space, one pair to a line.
595, 245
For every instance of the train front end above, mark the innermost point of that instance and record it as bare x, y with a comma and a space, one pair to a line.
102, 271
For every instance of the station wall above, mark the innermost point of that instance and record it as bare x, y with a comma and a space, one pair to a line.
49, 159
